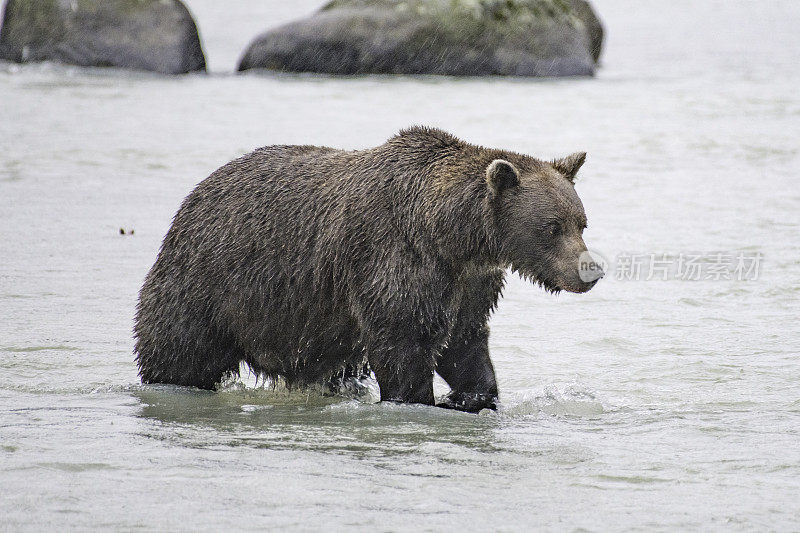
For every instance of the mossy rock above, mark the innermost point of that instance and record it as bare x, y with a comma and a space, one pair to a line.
153, 35
451, 37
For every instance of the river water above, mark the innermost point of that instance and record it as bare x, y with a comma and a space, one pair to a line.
646, 404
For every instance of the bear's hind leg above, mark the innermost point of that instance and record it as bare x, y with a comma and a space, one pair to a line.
200, 360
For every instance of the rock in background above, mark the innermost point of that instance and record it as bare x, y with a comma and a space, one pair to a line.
153, 35
452, 37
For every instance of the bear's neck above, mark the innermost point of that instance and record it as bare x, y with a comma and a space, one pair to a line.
441, 208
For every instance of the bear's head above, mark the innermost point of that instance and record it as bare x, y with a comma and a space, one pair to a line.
540, 221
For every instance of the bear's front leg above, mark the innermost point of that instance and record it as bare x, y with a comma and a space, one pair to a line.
401, 308
466, 367
404, 370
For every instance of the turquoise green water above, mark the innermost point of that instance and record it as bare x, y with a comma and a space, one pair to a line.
642, 405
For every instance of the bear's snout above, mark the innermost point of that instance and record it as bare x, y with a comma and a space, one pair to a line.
579, 275
594, 275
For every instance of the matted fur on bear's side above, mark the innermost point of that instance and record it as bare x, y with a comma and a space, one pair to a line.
304, 261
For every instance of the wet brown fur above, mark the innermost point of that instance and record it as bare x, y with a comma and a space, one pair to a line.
303, 261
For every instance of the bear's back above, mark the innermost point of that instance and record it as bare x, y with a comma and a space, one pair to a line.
279, 216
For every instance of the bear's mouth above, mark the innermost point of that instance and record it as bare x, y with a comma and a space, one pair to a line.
536, 276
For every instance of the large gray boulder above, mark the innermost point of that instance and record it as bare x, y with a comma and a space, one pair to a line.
154, 35
453, 37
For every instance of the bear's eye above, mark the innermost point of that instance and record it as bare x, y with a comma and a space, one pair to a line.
554, 228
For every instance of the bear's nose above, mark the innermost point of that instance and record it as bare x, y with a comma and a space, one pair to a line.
591, 267
596, 275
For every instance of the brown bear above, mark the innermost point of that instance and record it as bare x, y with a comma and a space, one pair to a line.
309, 263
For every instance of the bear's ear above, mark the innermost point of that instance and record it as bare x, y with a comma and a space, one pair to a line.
570, 165
500, 175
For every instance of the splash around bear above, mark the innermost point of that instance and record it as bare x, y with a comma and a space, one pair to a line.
306, 262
